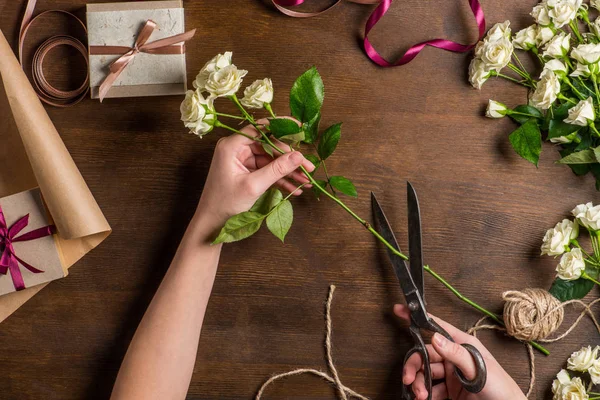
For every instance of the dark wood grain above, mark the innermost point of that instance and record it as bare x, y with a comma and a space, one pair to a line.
484, 210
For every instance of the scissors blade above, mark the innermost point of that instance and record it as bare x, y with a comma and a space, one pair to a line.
400, 266
415, 239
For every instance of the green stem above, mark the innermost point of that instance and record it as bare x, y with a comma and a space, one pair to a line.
560, 96
512, 79
476, 306
229, 116
575, 29
594, 80
267, 107
520, 113
518, 60
219, 124
518, 71
579, 94
589, 278
593, 126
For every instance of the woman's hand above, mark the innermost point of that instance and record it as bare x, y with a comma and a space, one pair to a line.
241, 171
445, 356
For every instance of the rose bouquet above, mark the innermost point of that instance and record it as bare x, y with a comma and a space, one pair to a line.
585, 362
578, 270
564, 101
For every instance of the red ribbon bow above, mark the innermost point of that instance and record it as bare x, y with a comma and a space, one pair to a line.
169, 45
9, 260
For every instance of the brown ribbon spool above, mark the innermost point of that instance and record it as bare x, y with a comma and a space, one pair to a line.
45, 91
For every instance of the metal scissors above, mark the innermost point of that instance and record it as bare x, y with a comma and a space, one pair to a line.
412, 284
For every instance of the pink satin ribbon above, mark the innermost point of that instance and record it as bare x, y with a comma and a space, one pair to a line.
9, 261
377, 14
169, 45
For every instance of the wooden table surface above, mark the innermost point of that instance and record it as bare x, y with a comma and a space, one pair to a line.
484, 210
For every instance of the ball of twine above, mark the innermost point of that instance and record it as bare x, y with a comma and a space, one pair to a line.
531, 314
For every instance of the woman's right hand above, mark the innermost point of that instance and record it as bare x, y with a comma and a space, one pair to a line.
445, 356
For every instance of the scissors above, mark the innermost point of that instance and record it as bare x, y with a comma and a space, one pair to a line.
412, 284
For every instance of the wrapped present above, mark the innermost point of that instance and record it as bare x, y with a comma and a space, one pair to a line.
137, 49
29, 254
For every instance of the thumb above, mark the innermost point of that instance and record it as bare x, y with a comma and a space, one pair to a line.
282, 166
455, 354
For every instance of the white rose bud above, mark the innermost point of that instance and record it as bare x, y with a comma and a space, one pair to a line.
574, 390
582, 114
525, 39
588, 216
543, 35
541, 14
556, 240
563, 12
562, 379
495, 109
571, 266
218, 62
478, 73
499, 31
197, 113
556, 66
594, 372
583, 359
564, 139
497, 54
546, 91
586, 53
581, 70
225, 82
558, 46
257, 94
595, 26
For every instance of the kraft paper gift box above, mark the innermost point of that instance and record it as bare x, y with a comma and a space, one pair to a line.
119, 24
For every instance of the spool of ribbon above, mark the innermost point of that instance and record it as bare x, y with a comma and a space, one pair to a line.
376, 15
170, 45
9, 261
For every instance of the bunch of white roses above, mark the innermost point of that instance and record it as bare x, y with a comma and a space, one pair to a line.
578, 270
585, 361
564, 101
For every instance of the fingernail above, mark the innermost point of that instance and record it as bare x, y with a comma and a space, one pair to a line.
296, 157
440, 340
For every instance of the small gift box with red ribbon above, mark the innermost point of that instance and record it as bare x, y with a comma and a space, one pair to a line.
137, 49
29, 255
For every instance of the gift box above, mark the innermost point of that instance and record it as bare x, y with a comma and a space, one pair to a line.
29, 253
124, 60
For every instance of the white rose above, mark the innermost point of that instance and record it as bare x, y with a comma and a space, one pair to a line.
218, 62
541, 14
574, 390
556, 240
543, 35
595, 26
498, 31
582, 113
594, 372
562, 379
257, 94
225, 82
563, 12
595, 4
583, 359
197, 113
478, 73
497, 54
581, 70
564, 139
586, 53
556, 66
558, 46
495, 109
525, 39
546, 91
571, 266
588, 216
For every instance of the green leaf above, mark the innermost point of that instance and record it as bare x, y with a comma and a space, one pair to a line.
579, 157
568, 290
558, 128
329, 140
344, 185
586, 140
295, 138
525, 109
578, 169
316, 161
311, 129
267, 201
316, 190
283, 127
595, 169
306, 96
280, 219
268, 149
527, 141
240, 227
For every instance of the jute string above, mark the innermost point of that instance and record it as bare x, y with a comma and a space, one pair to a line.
534, 314
333, 377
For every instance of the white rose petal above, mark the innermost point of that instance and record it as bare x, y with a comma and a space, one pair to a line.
594, 372
499, 31
574, 390
225, 82
497, 54
556, 240
543, 35
562, 379
581, 70
583, 359
595, 4
595, 26
258, 93
547, 90
556, 66
218, 62
541, 14
525, 39
564, 139
586, 53
563, 12
478, 73
588, 216
197, 113
558, 46
495, 109
582, 113
571, 266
